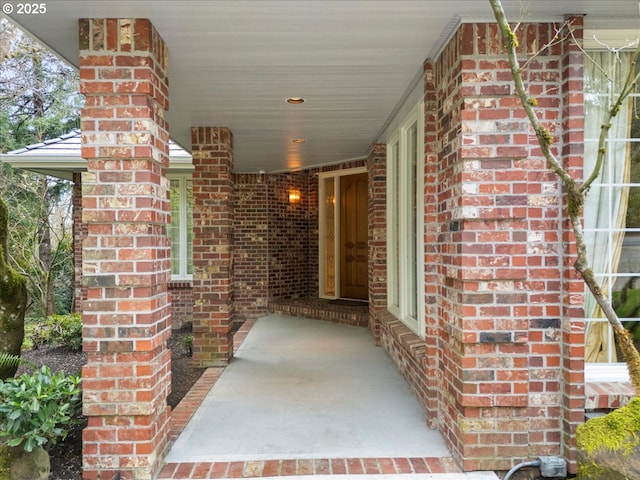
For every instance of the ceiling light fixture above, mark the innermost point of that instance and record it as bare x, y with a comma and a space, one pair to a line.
295, 100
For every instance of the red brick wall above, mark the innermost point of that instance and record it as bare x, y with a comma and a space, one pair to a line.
289, 230
213, 281
251, 245
181, 304
572, 326
433, 348
79, 234
275, 242
500, 355
181, 295
376, 171
125, 255
501, 290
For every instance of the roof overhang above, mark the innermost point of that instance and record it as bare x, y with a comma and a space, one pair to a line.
60, 157
65, 167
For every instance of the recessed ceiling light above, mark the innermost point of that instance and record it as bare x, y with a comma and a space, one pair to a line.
295, 100
298, 140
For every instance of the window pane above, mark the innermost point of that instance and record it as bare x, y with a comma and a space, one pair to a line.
173, 230
394, 254
189, 223
626, 297
412, 147
612, 206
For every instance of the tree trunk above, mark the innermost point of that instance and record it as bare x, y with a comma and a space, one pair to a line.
13, 299
44, 247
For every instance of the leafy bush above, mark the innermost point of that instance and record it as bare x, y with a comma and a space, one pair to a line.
36, 408
187, 343
61, 330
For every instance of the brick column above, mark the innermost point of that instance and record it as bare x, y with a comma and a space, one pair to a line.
573, 394
433, 383
377, 175
499, 266
126, 317
212, 153
79, 234
251, 246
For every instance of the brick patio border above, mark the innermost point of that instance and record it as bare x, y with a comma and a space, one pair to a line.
323, 466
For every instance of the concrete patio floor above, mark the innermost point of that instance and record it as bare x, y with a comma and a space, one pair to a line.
306, 397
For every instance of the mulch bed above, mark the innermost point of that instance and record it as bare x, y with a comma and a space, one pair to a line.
66, 457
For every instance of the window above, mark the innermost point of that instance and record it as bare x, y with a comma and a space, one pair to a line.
405, 249
181, 229
393, 228
612, 206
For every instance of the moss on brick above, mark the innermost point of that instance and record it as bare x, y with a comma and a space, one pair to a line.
616, 433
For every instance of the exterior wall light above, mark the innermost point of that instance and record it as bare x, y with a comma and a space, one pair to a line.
295, 197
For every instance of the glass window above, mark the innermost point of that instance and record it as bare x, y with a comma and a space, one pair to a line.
180, 231
412, 221
393, 225
404, 222
612, 206
174, 227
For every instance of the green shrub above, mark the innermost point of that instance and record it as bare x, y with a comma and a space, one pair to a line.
56, 330
36, 408
187, 343
66, 330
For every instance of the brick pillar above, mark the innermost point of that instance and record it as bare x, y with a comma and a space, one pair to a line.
126, 317
212, 153
433, 382
79, 234
377, 175
573, 395
500, 273
251, 246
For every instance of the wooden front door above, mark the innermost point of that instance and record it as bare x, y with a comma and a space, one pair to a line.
353, 237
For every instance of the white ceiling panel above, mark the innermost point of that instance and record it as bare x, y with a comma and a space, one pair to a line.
233, 63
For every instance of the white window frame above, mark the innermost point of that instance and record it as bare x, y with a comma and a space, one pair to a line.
182, 274
605, 372
398, 259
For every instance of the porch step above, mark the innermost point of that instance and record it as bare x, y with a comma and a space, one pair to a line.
321, 309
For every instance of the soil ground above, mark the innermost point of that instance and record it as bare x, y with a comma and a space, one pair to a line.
66, 457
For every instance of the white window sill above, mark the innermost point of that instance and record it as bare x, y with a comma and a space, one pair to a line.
606, 372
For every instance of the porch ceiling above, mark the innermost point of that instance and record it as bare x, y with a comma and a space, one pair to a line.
233, 63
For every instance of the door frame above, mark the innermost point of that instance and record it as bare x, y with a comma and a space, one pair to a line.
322, 213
